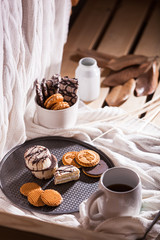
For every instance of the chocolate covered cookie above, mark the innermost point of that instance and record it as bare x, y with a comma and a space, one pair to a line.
97, 170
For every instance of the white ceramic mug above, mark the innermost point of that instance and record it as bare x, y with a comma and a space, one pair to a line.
88, 75
119, 194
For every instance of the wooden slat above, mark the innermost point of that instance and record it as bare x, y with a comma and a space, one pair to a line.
125, 25
150, 45
121, 33
150, 42
85, 31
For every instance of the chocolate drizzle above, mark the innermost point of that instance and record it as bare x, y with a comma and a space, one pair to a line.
52, 166
65, 169
53, 84
37, 158
68, 88
39, 150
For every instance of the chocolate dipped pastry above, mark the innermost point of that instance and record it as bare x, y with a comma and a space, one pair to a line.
39, 93
68, 88
97, 170
44, 89
53, 84
47, 173
66, 174
37, 158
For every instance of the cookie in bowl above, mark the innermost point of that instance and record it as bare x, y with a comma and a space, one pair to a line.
60, 109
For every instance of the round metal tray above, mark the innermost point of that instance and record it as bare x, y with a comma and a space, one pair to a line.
13, 174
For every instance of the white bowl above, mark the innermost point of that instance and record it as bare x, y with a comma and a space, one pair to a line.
65, 118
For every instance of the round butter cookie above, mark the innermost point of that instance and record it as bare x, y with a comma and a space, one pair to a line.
26, 188
34, 198
60, 106
51, 197
55, 98
69, 159
97, 170
87, 158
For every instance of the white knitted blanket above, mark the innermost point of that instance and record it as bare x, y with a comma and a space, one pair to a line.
125, 146
32, 36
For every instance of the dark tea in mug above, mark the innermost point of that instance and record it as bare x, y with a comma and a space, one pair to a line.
119, 187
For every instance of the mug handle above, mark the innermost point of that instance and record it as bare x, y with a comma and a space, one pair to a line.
91, 199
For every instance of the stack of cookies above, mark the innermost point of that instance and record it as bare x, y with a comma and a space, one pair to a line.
40, 162
55, 102
88, 160
56, 93
38, 197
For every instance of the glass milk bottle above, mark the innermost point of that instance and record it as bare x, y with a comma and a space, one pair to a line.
88, 74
